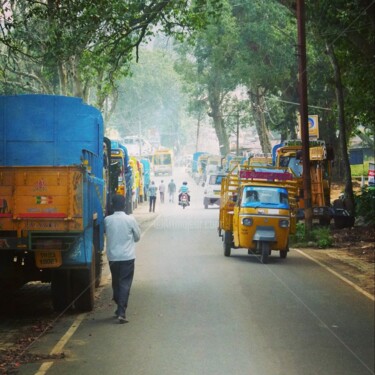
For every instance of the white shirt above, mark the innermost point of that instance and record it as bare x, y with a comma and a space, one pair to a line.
122, 231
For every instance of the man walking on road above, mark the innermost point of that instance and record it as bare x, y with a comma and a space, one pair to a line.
122, 232
162, 191
171, 190
152, 194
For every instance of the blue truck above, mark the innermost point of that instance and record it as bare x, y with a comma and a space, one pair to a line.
120, 159
54, 194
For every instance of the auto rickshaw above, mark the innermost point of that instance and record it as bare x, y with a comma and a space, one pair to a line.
257, 211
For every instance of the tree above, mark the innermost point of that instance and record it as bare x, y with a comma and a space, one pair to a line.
151, 100
213, 57
79, 48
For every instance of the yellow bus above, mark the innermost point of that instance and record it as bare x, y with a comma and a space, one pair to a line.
162, 162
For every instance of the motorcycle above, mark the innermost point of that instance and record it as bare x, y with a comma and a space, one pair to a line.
184, 200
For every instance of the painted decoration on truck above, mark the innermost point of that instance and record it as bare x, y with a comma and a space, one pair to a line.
44, 200
40, 186
77, 193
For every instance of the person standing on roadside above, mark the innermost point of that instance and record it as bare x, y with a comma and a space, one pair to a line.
122, 232
162, 191
152, 195
171, 190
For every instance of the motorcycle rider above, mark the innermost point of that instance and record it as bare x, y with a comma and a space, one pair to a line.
184, 190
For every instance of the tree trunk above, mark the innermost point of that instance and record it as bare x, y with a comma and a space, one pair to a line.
219, 126
349, 195
257, 106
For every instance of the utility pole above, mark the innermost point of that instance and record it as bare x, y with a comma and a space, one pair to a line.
302, 85
238, 134
197, 137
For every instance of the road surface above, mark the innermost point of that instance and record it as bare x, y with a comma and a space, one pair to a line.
193, 311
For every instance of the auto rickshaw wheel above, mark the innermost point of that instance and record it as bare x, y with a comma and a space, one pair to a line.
265, 251
227, 243
284, 253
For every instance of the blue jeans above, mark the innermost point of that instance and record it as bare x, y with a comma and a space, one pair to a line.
152, 203
122, 278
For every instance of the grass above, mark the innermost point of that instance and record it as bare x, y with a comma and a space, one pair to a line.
319, 237
360, 169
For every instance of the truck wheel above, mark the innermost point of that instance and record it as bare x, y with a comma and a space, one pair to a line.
283, 254
83, 285
265, 248
227, 243
98, 256
60, 289
325, 221
98, 268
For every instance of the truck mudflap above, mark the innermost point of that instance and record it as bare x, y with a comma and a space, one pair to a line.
264, 233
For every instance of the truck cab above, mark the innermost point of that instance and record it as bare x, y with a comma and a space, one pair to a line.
212, 187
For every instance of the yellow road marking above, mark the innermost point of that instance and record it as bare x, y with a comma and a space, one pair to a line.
58, 348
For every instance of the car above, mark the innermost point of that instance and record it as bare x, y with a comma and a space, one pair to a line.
212, 188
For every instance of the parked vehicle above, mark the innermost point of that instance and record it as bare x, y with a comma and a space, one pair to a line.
257, 211
146, 176
121, 167
212, 188
289, 155
53, 182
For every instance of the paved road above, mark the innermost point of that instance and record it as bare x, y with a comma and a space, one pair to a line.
193, 311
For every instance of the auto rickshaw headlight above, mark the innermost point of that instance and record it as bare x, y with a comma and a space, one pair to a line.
247, 221
284, 223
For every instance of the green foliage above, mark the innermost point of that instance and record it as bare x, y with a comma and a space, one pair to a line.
320, 236
81, 48
365, 204
360, 169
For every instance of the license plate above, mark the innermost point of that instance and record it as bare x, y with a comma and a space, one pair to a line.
48, 259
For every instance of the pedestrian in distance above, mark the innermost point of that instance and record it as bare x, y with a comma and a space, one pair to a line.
162, 191
122, 232
171, 190
152, 195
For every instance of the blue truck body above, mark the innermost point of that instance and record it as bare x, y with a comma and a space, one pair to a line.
53, 185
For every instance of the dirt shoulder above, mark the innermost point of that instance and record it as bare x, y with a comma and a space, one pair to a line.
352, 255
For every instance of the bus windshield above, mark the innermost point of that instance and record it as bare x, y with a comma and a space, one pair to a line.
163, 159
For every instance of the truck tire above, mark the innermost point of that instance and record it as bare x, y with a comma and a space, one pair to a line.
83, 284
265, 251
98, 256
98, 269
60, 289
283, 254
325, 221
227, 243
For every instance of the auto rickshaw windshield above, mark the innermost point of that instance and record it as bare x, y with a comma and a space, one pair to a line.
264, 196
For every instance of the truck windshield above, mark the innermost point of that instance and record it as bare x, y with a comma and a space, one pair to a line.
119, 167
215, 179
293, 163
263, 196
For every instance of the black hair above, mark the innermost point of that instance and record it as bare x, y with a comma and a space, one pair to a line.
118, 202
